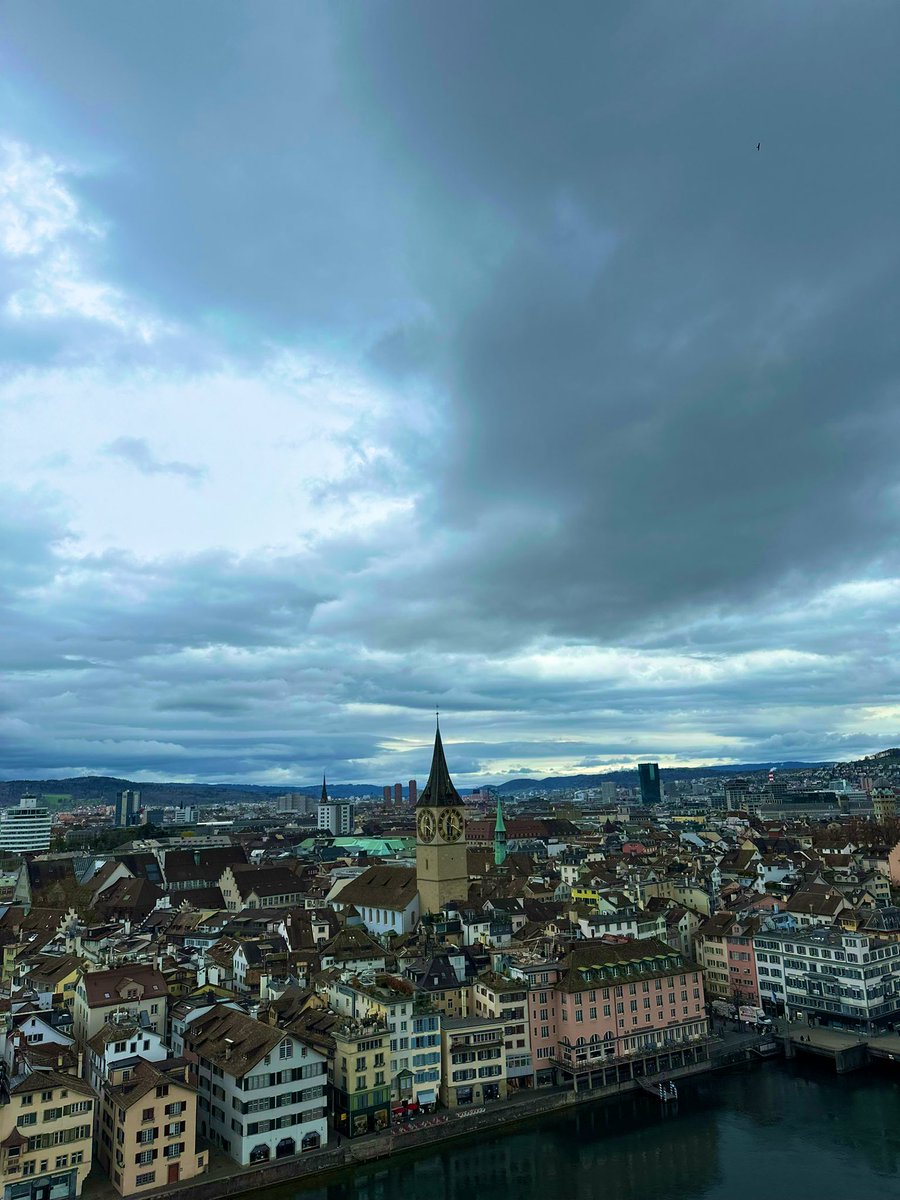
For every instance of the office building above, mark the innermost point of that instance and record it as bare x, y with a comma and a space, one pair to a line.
297, 802
398, 794
25, 829
387, 794
128, 807
651, 792
608, 791
335, 817
413, 793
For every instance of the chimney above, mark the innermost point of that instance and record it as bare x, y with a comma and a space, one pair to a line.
229, 1043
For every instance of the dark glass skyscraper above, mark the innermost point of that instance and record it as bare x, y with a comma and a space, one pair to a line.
128, 807
649, 776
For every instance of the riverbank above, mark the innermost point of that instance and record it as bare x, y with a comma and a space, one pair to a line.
225, 1179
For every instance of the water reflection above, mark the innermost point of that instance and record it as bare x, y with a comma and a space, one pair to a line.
780, 1132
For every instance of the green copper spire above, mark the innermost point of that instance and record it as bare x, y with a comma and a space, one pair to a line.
499, 837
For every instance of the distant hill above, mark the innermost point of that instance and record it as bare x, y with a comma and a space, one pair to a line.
553, 783
101, 789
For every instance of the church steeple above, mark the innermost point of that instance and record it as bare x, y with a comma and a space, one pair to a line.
324, 799
439, 791
499, 836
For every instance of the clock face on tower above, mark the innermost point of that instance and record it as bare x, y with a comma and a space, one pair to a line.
450, 824
426, 825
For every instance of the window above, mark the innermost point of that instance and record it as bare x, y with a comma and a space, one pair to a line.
147, 1114
145, 1178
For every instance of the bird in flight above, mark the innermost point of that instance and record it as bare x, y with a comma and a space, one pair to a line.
758, 144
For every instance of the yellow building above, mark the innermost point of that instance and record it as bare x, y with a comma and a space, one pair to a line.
505, 1000
148, 1128
46, 1121
361, 1092
473, 1061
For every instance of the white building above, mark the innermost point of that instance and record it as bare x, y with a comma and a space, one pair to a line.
386, 898
25, 829
262, 1094
121, 1041
336, 817
836, 977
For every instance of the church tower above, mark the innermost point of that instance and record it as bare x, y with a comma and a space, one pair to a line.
499, 837
441, 869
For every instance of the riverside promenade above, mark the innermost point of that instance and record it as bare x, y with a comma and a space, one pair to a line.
848, 1051
224, 1178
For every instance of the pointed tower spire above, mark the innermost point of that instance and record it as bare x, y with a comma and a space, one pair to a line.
499, 836
324, 799
439, 790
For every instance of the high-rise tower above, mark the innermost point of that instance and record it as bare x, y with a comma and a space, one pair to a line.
441, 868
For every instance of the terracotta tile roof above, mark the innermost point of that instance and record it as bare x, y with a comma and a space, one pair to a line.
105, 988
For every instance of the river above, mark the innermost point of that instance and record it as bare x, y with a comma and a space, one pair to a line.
771, 1132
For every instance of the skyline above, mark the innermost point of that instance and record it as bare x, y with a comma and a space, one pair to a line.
360, 361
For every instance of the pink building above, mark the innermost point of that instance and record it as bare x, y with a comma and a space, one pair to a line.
611, 1011
724, 946
641, 1002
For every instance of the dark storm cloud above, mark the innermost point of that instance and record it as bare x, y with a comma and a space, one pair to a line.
685, 352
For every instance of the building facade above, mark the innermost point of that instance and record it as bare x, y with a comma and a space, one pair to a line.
25, 829
651, 790
831, 976
262, 1093
148, 1128
46, 1126
473, 1068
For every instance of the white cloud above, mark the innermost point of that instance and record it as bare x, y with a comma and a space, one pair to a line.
52, 243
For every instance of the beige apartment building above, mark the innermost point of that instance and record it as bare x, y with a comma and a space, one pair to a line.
135, 988
46, 1121
148, 1128
473, 1061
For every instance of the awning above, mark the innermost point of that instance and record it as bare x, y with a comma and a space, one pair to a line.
427, 1097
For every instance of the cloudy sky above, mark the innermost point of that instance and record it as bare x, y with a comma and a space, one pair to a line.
362, 358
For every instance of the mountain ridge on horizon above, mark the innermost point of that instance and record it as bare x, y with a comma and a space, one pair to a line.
103, 788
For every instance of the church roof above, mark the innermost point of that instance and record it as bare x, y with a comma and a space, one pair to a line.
439, 791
